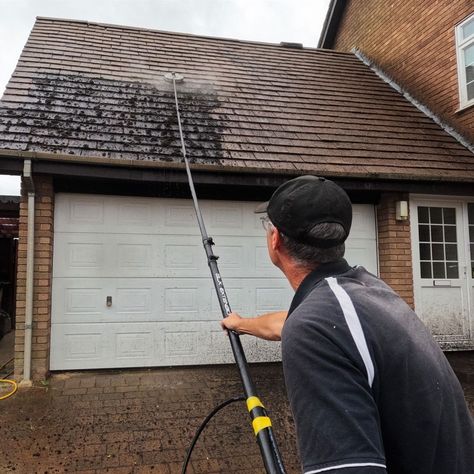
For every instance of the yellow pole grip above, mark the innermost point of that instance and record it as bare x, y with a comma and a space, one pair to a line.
253, 402
260, 423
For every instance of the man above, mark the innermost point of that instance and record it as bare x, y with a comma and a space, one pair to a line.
370, 390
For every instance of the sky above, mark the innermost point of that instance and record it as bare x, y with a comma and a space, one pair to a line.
271, 21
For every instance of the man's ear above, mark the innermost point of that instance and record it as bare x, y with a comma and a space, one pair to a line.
275, 239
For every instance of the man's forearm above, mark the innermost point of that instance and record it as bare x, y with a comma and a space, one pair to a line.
268, 326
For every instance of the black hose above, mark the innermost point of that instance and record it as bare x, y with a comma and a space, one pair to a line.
203, 425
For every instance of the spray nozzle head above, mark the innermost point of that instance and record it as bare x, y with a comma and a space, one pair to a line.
173, 76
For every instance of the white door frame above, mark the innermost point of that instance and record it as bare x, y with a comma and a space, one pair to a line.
463, 258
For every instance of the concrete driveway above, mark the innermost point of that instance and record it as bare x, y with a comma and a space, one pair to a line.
142, 421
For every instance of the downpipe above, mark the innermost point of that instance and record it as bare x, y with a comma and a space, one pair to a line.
30, 250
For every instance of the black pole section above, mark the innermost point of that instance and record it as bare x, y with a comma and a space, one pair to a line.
260, 421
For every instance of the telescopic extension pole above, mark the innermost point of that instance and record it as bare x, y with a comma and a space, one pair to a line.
261, 423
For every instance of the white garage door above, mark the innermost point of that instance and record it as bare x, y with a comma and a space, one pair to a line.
131, 286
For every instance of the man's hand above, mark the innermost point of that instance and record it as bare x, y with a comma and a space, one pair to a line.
268, 326
232, 322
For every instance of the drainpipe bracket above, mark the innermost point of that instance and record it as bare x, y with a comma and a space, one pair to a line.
28, 176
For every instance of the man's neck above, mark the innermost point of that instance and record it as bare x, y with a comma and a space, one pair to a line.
294, 274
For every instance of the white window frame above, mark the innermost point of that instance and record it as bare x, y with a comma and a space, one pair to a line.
461, 45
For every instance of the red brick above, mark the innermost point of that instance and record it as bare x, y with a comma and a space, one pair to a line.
414, 43
394, 238
42, 280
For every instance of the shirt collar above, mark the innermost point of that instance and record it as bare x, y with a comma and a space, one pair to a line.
312, 279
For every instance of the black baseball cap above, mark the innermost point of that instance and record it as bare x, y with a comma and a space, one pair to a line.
301, 203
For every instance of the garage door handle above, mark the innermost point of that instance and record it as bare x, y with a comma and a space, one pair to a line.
108, 301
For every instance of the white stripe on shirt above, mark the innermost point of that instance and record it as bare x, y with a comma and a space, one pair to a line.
343, 466
352, 320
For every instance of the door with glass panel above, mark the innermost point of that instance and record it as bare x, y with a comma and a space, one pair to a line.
441, 258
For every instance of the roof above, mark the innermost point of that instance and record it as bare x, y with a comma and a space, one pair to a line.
95, 93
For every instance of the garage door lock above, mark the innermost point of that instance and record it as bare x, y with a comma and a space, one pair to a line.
108, 301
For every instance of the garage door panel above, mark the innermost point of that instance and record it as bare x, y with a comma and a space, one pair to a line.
254, 295
138, 300
78, 346
77, 257
130, 345
102, 255
103, 345
150, 256
131, 285
131, 300
120, 214
103, 214
239, 298
133, 344
86, 300
180, 257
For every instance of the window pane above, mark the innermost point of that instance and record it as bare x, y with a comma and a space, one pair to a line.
449, 215
452, 270
436, 233
451, 252
424, 231
425, 268
467, 30
438, 251
450, 233
423, 216
425, 253
435, 215
469, 55
472, 251
439, 270
470, 73
471, 233
470, 91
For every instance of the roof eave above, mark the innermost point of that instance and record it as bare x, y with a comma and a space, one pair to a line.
202, 167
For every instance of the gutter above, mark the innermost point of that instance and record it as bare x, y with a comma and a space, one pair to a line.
30, 238
45, 163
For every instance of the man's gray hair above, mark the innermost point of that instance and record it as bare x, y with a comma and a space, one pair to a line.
308, 256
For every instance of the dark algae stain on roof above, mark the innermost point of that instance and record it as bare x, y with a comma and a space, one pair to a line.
79, 115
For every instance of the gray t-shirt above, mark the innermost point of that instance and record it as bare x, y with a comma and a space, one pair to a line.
369, 388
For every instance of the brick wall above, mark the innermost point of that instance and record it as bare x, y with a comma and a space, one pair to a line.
44, 203
395, 247
414, 43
